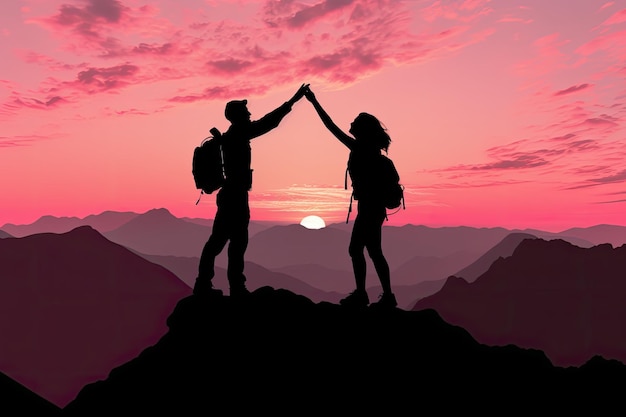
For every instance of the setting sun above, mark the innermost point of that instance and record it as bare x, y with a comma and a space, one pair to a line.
313, 222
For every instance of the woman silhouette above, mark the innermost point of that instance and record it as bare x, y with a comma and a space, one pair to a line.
370, 138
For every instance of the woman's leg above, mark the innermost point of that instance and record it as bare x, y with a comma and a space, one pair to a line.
373, 243
356, 251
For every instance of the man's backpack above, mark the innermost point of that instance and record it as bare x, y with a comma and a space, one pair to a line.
208, 164
387, 184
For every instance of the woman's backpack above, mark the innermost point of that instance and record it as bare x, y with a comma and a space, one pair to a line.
378, 179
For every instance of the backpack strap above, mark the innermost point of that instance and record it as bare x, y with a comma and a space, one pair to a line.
201, 192
350, 207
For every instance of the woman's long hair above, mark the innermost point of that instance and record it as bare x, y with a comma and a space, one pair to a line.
368, 128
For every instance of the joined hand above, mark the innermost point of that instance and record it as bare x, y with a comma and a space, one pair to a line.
301, 91
309, 94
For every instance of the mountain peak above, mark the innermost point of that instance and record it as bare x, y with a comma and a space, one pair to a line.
279, 352
84, 230
158, 212
550, 295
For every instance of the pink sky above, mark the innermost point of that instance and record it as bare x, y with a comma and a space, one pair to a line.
501, 113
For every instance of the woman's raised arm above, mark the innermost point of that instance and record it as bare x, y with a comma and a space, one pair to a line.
328, 122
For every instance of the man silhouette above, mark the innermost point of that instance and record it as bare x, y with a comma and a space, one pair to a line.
233, 212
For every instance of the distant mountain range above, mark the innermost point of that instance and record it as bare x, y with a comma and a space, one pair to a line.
565, 300
110, 220
257, 276
503, 249
279, 353
78, 303
74, 305
319, 258
103, 222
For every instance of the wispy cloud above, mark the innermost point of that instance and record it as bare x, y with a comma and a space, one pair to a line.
303, 198
17, 102
529, 154
219, 92
297, 15
616, 18
615, 178
612, 201
572, 89
511, 19
462, 11
115, 44
19, 141
607, 5
94, 80
462, 182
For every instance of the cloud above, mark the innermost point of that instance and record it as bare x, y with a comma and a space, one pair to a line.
101, 27
612, 201
616, 18
457, 10
572, 89
521, 161
615, 178
112, 45
526, 159
103, 79
511, 19
86, 21
17, 102
18, 141
282, 13
549, 55
219, 92
302, 198
606, 5
611, 42
154, 49
230, 65
609, 179
464, 183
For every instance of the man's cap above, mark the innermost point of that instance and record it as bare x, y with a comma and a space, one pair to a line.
234, 106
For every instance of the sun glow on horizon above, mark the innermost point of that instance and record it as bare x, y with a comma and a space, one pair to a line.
313, 222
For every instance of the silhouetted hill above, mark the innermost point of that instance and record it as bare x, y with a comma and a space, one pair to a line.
4, 234
158, 232
282, 246
102, 222
541, 234
254, 227
17, 400
324, 278
294, 244
74, 305
258, 276
430, 268
503, 249
313, 281
601, 233
281, 354
550, 295
407, 295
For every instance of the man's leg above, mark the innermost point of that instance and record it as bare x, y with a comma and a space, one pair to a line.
237, 247
213, 247
236, 251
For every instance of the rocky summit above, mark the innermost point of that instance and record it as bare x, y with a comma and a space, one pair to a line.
278, 352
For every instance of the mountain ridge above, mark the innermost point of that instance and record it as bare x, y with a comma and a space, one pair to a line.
74, 305
549, 295
279, 352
